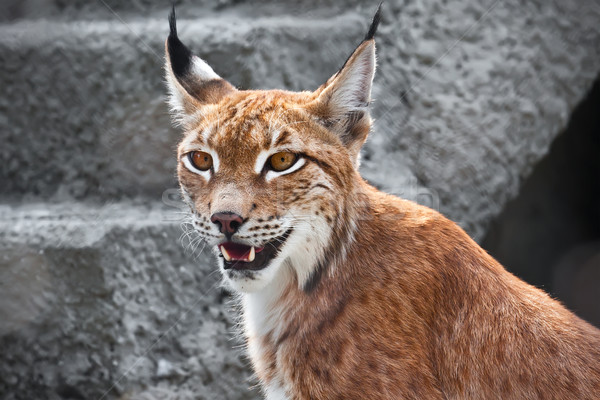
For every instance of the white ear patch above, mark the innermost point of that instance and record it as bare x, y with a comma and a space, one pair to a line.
178, 97
176, 100
351, 90
202, 70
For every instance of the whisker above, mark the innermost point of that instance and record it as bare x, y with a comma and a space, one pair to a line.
194, 242
201, 251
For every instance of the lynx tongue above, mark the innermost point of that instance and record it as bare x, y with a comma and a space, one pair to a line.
238, 252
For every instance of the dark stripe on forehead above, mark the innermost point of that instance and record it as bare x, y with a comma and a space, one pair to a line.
283, 138
250, 107
227, 113
238, 117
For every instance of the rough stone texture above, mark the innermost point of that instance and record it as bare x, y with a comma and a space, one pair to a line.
468, 97
104, 302
14, 10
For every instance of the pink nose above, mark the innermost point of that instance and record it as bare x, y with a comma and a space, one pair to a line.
228, 222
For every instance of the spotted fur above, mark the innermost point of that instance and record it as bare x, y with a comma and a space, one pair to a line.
369, 296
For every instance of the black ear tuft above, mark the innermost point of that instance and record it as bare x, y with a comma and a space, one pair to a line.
173, 22
373, 28
179, 55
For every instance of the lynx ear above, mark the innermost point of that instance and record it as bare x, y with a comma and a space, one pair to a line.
192, 83
342, 102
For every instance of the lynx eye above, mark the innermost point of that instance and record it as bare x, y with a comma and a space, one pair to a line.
282, 161
201, 160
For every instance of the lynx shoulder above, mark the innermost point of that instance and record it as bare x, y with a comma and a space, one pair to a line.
346, 292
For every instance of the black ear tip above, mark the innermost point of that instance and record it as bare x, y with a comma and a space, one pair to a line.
180, 56
173, 22
374, 24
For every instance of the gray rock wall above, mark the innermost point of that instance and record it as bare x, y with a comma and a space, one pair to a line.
106, 302
549, 235
99, 296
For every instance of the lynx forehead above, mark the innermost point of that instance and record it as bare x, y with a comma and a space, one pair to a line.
349, 293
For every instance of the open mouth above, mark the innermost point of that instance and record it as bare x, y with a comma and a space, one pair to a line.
238, 256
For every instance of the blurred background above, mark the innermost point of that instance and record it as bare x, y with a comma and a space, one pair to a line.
488, 111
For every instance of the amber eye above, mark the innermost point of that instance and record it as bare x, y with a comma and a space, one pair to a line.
201, 160
282, 160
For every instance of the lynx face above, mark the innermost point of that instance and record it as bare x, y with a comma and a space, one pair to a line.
273, 190
269, 175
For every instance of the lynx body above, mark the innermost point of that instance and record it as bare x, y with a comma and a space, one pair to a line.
347, 292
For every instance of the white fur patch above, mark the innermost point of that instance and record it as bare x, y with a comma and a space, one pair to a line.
307, 248
178, 96
261, 160
176, 100
202, 70
215, 158
351, 90
275, 136
275, 392
190, 141
274, 174
260, 311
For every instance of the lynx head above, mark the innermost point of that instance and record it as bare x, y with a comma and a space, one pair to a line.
270, 176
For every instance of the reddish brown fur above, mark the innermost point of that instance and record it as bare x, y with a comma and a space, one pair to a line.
422, 312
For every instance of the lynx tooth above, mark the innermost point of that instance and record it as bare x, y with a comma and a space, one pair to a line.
226, 255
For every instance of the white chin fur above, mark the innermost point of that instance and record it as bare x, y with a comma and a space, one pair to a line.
253, 281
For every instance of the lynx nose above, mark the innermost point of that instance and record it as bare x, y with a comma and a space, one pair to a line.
229, 222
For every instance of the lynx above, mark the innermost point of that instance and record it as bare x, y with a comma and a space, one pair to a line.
347, 292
